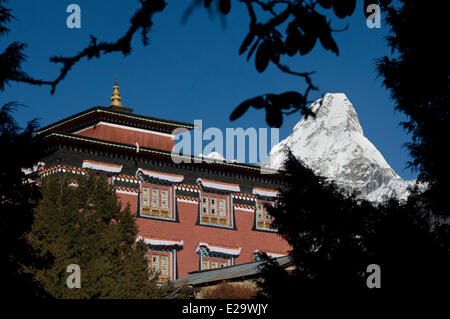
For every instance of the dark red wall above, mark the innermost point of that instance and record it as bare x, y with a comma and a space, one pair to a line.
128, 136
186, 230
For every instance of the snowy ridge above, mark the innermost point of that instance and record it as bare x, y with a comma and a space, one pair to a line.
334, 146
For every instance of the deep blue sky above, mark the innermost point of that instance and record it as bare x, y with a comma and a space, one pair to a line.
192, 71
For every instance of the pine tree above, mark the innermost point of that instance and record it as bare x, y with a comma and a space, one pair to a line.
21, 150
335, 236
80, 221
417, 77
326, 230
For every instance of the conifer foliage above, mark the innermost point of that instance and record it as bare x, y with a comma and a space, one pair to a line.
326, 230
80, 221
336, 236
20, 150
417, 76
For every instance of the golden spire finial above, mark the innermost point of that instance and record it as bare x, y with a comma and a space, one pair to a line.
115, 97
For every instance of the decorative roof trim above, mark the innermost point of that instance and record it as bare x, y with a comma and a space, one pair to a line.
131, 128
63, 169
37, 167
265, 192
232, 251
126, 178
188, 188
101, 110
244, 196
218, 185
156, 241
189, 158
173, 178
100, 166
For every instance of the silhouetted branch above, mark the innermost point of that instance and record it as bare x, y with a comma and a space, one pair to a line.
142, 19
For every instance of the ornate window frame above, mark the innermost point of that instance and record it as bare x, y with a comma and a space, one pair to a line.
262, 217
215, 257
162, 249
157, 201
216, 209
216, 203
154, 184
207, 262
161, 258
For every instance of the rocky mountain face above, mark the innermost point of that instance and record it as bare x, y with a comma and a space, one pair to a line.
334, 146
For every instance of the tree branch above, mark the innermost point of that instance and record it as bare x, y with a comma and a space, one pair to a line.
142, 19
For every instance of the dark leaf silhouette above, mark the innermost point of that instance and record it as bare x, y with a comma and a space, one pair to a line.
247, 41
274, 117
307, 43
275, 57
293, 39
385, 3
252, 49
306, 20
328, 43
259, 102
274, 104
263, 55
271, 99
225, 6
240, 110
291, 99
325, 3
207, 3
344, 8
256, 102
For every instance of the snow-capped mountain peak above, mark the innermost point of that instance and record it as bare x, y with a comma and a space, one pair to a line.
333, 144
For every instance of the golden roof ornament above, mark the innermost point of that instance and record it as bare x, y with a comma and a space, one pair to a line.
115, 97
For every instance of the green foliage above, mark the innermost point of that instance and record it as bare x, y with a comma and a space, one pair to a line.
335, 236
16, 208
80, 221
325, 228
417, 76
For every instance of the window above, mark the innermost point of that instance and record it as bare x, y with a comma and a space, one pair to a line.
263, 218
160, 262
214, 263
215, 209
156, 201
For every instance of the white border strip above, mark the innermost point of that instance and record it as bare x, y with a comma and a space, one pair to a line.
160, 242
265, 193
102, 166
166, 177
218, 185
126, 128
